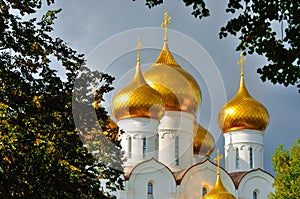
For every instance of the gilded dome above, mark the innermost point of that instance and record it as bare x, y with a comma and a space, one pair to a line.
218, 191
138, 99
111, 126
179, 89
243, 112
204, 142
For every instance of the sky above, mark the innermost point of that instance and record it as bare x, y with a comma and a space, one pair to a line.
106, 32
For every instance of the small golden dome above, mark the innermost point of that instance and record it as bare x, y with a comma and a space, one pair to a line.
243, 111
204, 143
138, 99
218, 191
179, 89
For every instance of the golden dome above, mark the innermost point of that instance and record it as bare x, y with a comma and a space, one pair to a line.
138, 99
218, 191
204, 142
111, 126
179, 89
243, 112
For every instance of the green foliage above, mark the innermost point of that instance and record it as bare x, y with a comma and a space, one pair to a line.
287, 167
41, 153
256, 23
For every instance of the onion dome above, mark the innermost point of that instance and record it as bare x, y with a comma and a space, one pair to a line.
111, 126
243, 112
218, 191
179, 89
138, 99
204, 142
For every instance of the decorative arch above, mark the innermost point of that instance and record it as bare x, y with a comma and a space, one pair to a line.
152, 171
243, 147
253, 181
202, 174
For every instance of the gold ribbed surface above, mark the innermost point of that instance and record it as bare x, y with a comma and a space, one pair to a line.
243, 112
138, 99
218, 191
204, 143
112, 126
179, 89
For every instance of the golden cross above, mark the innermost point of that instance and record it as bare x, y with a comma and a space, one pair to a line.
241, 63
138, 48
164, 24
218, 160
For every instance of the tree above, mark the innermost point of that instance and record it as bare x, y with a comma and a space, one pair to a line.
287, 167
254, 22
41, 153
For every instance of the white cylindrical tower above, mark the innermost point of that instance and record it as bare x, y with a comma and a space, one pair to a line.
182, 96
243, 121
138, 109
176, 140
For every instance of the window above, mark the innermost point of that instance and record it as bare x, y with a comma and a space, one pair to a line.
237, 158
251, 158
129, 147
144, 148
204, 191
157, 142
150, 190
176, 151
255, 195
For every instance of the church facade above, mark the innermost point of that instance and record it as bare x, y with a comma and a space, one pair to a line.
168, 152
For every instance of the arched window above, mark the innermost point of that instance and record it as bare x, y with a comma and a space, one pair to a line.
255, 194
150, 190
157, 142
144, 148
176, 151
129, 147
204, 191
251, 158
237, 158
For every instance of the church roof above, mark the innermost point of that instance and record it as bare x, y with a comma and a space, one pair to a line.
238, 176
130, 171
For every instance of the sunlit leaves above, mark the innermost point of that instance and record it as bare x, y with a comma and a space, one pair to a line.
41, 154
287, 167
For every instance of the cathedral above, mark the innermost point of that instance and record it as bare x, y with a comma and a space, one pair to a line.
168, 152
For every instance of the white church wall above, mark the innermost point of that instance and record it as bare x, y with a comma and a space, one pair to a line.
176, 124
243, 140
255, 181
164, 183
203, 175
136, 129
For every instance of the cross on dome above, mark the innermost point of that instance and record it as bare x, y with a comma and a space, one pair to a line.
218, 160
241, 63
138, 48
164, 24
